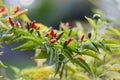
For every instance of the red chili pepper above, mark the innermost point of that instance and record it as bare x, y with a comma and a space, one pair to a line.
33, 24
18, 23
69, 40
11, 21
82, 37
2, 9
52, 33
37, 28
53, 40
67, 24
17, 9
46, 35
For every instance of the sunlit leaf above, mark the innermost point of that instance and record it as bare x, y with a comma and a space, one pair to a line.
90, 53
26, 46
113, 31
36, 40
92, 23
113, 45
113, 41
2, 65
42, 27
15, 69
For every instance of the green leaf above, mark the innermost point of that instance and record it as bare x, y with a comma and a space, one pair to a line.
60, 35
65, 30
58, 64
47, 48
2, 65
34, 39
95, 46
116, 51
108, 48
88, 45
19, 36
102, 43
58, 46
15, 69
39, 34
113, 31
92, 23
61, 72
83, 64
74, 31
72, 47
70, 31
26, 46
7, 37
90, 53
2, 25
99, 44
70, 68
68, 54
113, 41
16, 38
52, 55
113, 45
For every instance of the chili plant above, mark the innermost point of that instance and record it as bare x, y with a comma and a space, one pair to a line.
60, 48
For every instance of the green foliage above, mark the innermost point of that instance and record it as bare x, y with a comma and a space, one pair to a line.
60, 47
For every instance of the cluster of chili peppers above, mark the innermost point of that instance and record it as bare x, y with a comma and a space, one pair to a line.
17, 9
33, 26
17, 23
52, 34
53, 40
